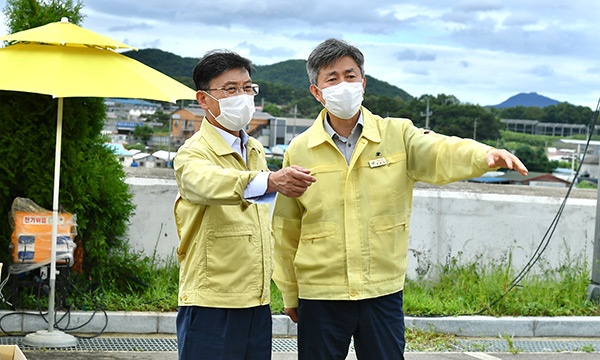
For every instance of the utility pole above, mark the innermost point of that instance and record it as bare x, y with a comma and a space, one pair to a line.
593, 289
295, 115
427, 114
475, 129
170, 140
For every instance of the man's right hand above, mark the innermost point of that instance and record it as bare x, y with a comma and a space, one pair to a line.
290, 181
292, 313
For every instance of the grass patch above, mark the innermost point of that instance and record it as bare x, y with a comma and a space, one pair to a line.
276, 300
421, 340
460, 288
480, 287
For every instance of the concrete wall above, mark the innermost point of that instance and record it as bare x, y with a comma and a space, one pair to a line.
152, 228
463, 221
498, 222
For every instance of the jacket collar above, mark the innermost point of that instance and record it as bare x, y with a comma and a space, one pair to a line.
317, 134
219, 144
214, 139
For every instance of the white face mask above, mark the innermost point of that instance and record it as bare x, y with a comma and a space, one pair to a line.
343, 100
236, 111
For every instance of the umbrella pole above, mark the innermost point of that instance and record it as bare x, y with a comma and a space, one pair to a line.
52, 337
52, 281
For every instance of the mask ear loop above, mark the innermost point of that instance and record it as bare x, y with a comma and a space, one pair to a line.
322, 97
215, 99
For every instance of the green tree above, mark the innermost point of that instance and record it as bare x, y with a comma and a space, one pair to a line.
535, 158
523, 113
306, 106
143, 133
450, 117
159, 117
563, 113
26, 14
277, 93
272, 109
91, 182
383, 105
566, 113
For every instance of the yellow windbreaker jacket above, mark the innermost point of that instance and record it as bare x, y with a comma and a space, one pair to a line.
346, 237
226, 243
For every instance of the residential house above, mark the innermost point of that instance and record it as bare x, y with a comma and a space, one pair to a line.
124, 115
129, 109
144, 159
164, 158
186, 121
124, 156
514, 178
281, 131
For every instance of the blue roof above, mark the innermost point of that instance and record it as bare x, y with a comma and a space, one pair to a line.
489, 180
139, 102
563, 171
118, 149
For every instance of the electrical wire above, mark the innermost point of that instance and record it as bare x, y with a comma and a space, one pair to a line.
543, 245
2, 284
65, 317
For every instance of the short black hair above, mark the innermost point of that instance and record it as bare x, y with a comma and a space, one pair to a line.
216, 62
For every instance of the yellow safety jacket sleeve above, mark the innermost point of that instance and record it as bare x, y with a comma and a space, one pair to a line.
226, 243
346, 237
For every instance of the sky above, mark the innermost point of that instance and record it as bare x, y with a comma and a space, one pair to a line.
480, 51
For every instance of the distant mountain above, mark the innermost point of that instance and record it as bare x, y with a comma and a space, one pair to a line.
165, 62
290, 73
293, 73
526, 100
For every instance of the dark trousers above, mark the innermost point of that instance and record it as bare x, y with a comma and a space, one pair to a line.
224, 334
325, 328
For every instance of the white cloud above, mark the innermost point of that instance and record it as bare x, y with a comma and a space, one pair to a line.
542, 70
411, 55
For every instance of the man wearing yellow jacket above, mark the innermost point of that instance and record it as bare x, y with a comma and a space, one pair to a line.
341, 247
223, 220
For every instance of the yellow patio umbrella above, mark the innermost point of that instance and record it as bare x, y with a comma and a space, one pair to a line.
65, 71
64, 60
65, 33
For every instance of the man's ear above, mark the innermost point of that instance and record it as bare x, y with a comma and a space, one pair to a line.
316, 92
201, 99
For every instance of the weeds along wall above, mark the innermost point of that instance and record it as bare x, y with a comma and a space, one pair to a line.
457, 222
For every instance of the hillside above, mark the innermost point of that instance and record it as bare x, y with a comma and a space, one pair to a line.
165, 62
290, 73
526, 100
293, 73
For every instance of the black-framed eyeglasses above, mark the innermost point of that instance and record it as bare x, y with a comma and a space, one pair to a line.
235, 90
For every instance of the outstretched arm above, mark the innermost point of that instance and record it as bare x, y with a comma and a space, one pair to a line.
503, 159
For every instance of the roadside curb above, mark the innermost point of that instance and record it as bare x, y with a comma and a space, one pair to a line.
488, 326
164, 323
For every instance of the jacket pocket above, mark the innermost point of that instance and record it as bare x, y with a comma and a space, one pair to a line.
320, 256
233, 261
388, 246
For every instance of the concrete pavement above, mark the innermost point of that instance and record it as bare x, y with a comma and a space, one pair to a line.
50, 355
